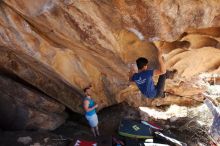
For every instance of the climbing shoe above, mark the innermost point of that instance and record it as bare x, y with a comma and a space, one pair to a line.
170, 73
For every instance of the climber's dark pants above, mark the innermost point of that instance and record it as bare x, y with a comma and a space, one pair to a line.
160, 85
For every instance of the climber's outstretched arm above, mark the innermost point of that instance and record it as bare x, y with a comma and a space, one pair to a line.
132, 72
162, 67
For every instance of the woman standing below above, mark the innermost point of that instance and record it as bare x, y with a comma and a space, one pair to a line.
89, 107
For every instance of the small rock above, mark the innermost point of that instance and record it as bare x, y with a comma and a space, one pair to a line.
167, 126
173, 119
46, 139
24, 140
35, 144
201, 144
68, 2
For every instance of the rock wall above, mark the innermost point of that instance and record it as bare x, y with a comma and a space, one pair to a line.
27, 108
59, 47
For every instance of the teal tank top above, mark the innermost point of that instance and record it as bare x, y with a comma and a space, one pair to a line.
91, 104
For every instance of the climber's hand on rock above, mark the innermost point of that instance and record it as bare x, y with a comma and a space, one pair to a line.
133, 68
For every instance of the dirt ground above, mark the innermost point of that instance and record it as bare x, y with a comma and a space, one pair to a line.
76, 127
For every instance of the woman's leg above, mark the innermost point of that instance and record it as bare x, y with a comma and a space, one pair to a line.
97, 130
93, 131
92, 122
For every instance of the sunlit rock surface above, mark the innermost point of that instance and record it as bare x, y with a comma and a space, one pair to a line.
60, 47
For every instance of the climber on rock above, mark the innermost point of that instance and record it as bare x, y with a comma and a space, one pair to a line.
144, 77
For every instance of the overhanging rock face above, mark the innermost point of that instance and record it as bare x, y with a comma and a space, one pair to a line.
23, 107
59, 47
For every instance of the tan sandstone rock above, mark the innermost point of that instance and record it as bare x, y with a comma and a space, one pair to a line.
59, 47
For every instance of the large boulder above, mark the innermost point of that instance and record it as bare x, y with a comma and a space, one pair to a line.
60, 47
23, 107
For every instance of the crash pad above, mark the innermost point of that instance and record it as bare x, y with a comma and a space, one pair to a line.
134, 129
